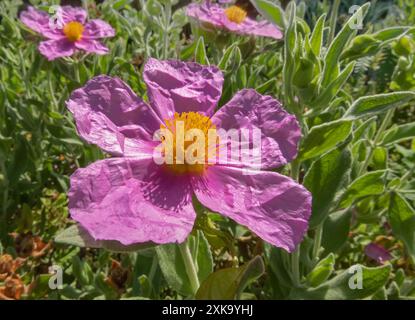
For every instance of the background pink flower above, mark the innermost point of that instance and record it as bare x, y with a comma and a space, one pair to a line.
131, 199
233, 19
377, 253
75, 34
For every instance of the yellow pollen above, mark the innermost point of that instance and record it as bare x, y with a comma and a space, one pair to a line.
236, 14
73, 30
183, 142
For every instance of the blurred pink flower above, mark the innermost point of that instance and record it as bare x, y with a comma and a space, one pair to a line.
75, 33
132, 199
377, 253
233, 19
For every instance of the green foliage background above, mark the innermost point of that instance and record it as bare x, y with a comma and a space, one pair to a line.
352, 90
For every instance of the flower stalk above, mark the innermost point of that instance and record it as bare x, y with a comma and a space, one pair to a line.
333, 20
317, 241
295, 266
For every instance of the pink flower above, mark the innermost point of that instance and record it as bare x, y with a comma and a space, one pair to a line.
131, 199
234, 19
377, 253
75, 34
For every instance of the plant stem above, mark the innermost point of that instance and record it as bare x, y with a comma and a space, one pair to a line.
51, 91
376, 140
333, 20
295, 169
76, 72
190, 266
295, 266
166, 31
317, 241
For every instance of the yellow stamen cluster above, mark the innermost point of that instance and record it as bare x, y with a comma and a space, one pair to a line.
236, 14
180, 127
73, 30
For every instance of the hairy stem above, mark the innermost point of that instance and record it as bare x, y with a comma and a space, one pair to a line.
317, 242
295, 266
333, 20
52, 92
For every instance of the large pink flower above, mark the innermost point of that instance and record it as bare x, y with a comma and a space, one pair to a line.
233, 19
131, 199
74, 34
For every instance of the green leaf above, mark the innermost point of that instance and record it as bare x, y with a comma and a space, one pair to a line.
82, 271
276, 259
402, 220
267, 86
316, 38
324, 179
173, 266
361, 46
331, 67
321, 271
188, 51
324, 137
272, 12
200, 52
372, 105
231, 59
389, 33
342, 286
201, 250
333, 88
372, 183
398, 134
362, 131
229, 52
77, 236
228, 284
336, 230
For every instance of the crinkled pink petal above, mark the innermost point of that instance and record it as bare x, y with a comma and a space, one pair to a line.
39, 21
206, 12
176, 86
252, 27
271, 205
95, 29
131, 201
280, 132
214, 14
109, 114
377, 253
91, 46
53, 49
70, 14
262, 29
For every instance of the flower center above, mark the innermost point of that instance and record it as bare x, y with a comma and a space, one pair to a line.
73, 30
236, 14
189, 140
